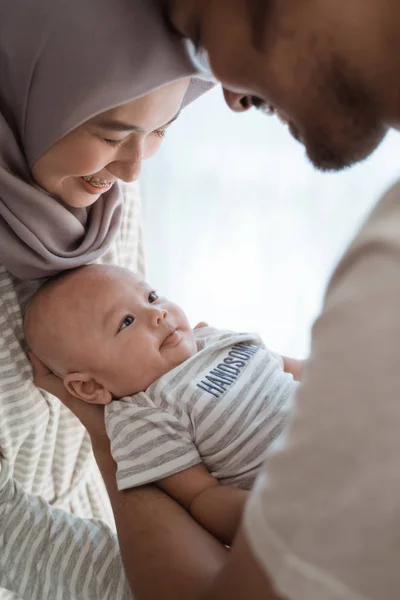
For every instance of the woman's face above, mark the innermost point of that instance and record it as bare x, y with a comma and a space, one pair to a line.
85, 163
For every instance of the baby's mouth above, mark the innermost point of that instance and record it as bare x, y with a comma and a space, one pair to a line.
171, 339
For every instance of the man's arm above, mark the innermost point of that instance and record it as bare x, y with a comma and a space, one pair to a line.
241, 579
216, 507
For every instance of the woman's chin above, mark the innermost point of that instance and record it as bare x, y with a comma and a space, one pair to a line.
79, 201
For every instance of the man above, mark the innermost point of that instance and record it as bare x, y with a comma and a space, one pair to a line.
329, 68
323, 520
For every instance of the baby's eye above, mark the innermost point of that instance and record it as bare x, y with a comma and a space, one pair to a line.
153, 297
128, 320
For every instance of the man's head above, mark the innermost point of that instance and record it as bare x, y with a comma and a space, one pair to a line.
330, 68
106, 333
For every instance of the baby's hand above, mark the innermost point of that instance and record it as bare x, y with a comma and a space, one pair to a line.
201, 324
293, 366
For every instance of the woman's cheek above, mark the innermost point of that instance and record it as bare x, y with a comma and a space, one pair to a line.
152, 145
92, 159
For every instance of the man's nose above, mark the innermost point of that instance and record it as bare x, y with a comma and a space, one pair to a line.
237, 102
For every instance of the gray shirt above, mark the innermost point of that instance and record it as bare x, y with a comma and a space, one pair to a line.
325, 524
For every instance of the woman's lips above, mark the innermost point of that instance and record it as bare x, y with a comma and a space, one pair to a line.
171, 340
93, 189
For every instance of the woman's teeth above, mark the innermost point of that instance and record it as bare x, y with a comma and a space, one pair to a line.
96, 181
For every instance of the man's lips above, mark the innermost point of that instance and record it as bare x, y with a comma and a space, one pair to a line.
285, 119
171, 340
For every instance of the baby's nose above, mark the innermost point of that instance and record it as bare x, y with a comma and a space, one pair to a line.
159, 316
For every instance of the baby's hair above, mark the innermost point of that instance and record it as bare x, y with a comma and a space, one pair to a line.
50, 283
44, 319
55, 280
35, 317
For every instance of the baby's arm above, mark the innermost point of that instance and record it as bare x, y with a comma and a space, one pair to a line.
218, 508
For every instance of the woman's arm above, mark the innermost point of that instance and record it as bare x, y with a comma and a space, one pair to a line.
44, 549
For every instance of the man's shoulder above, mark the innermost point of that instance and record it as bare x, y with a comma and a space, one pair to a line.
374, 250
382, 225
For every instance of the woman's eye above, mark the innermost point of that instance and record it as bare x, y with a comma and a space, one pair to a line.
114, 143
153, 297
126, 322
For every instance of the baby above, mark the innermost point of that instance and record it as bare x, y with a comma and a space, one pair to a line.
192, 410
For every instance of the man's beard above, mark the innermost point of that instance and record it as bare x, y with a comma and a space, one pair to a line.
350, 127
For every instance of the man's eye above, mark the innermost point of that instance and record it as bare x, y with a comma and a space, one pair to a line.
126, 322
153, 297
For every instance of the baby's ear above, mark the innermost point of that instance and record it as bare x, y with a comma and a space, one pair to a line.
83, 386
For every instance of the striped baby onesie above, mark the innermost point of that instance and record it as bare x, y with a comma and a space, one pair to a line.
224, 407
50, 488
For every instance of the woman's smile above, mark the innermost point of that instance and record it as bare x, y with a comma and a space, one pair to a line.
95, 185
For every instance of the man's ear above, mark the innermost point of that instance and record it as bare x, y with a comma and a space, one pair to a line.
83, 386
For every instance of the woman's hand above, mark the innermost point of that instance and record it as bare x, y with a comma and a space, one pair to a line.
90, 415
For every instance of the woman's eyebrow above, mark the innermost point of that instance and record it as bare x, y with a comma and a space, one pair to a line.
120, 126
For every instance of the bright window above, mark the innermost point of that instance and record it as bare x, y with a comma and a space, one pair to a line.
240, 229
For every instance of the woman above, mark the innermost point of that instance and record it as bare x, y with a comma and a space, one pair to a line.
323, 520
84, 97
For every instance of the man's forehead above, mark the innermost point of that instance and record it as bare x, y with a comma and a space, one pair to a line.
258, 15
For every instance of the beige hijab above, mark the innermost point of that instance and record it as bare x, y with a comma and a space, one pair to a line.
61, 63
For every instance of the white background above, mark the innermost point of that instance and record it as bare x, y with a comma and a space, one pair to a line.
241, 231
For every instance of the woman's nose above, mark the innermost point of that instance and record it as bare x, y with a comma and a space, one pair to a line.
237, 102
128, 165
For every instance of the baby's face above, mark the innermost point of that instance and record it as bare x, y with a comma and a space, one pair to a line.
127, 335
